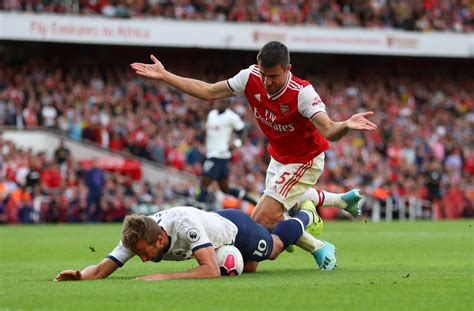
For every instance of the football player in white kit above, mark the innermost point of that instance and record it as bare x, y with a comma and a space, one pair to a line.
185, 232
220, 125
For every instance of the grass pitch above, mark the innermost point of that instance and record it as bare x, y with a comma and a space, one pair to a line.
384, 266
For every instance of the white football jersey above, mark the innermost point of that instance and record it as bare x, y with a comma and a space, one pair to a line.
219, 128
189, 229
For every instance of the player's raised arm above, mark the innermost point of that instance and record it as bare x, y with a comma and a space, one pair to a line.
208, 268
193, 87
100, 271
334, 131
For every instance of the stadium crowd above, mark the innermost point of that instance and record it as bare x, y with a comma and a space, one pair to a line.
427, 15
37, 188
424, 148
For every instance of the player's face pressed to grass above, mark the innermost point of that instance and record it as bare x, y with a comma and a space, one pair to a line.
274, 78
151, 252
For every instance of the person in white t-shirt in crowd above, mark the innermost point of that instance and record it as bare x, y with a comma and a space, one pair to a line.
221, 123
49, 114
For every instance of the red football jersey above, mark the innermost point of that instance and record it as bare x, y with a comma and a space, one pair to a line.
285, 117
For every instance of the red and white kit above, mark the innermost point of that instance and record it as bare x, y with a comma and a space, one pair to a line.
295, 145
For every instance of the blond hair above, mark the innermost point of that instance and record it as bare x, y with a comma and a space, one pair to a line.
138, 227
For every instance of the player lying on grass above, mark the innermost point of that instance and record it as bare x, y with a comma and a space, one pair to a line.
184, 232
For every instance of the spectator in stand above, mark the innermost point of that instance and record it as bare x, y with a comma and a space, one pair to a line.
429, 15
94, 179
62, 153
432, 113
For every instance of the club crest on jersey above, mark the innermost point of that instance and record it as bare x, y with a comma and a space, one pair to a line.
284, 108
192, 235
257, 97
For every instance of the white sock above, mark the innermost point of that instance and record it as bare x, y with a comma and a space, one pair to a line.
329, 199
309, 243
310, 215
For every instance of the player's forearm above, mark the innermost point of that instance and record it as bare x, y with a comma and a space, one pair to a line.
100, 271
92, 273
193, 87
335, 131
201, 272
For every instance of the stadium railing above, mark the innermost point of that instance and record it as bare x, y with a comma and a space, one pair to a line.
405, 207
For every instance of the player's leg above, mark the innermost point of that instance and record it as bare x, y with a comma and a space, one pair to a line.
257, 244
286, 184
324, 253
203, 194
210, 172
236, 192
268, 212
270, 209
289, 231
253, 240
349, 201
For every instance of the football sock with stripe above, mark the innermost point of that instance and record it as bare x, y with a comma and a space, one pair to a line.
323, 198
290, 231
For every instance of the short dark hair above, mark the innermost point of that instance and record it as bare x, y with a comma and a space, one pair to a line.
273, 53
138, 227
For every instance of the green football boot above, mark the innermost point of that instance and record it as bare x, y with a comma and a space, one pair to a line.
316, 228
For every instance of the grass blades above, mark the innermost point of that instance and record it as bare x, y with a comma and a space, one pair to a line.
384, 266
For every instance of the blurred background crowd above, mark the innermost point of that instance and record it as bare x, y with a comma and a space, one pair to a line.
423, 147
426, 15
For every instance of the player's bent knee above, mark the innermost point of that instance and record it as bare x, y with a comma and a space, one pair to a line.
268, 212
277, 247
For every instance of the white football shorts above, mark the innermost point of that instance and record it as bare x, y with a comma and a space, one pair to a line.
287, 183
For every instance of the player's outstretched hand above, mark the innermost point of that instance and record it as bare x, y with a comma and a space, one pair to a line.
68, 275
359, 122
153, 71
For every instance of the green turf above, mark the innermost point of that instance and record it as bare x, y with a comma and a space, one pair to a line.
396, 266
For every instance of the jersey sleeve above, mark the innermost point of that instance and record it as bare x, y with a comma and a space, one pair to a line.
237, 83
191, 231
309, 102
120, 254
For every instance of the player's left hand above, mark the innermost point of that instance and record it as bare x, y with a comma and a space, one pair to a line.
359, 122
68, 275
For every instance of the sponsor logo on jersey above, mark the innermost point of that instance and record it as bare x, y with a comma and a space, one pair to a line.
316, 101
192, 235
269, 121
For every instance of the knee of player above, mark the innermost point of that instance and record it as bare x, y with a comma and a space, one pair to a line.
266, 220
268, 212
277, 247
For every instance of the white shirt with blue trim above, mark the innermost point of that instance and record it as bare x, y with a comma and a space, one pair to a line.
189, 229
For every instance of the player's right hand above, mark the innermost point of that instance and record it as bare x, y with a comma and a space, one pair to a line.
153, 71
68, 275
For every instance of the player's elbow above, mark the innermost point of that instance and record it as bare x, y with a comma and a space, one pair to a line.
250, 267
215, 91
206, 96
214, 273
210, 95
331, 138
